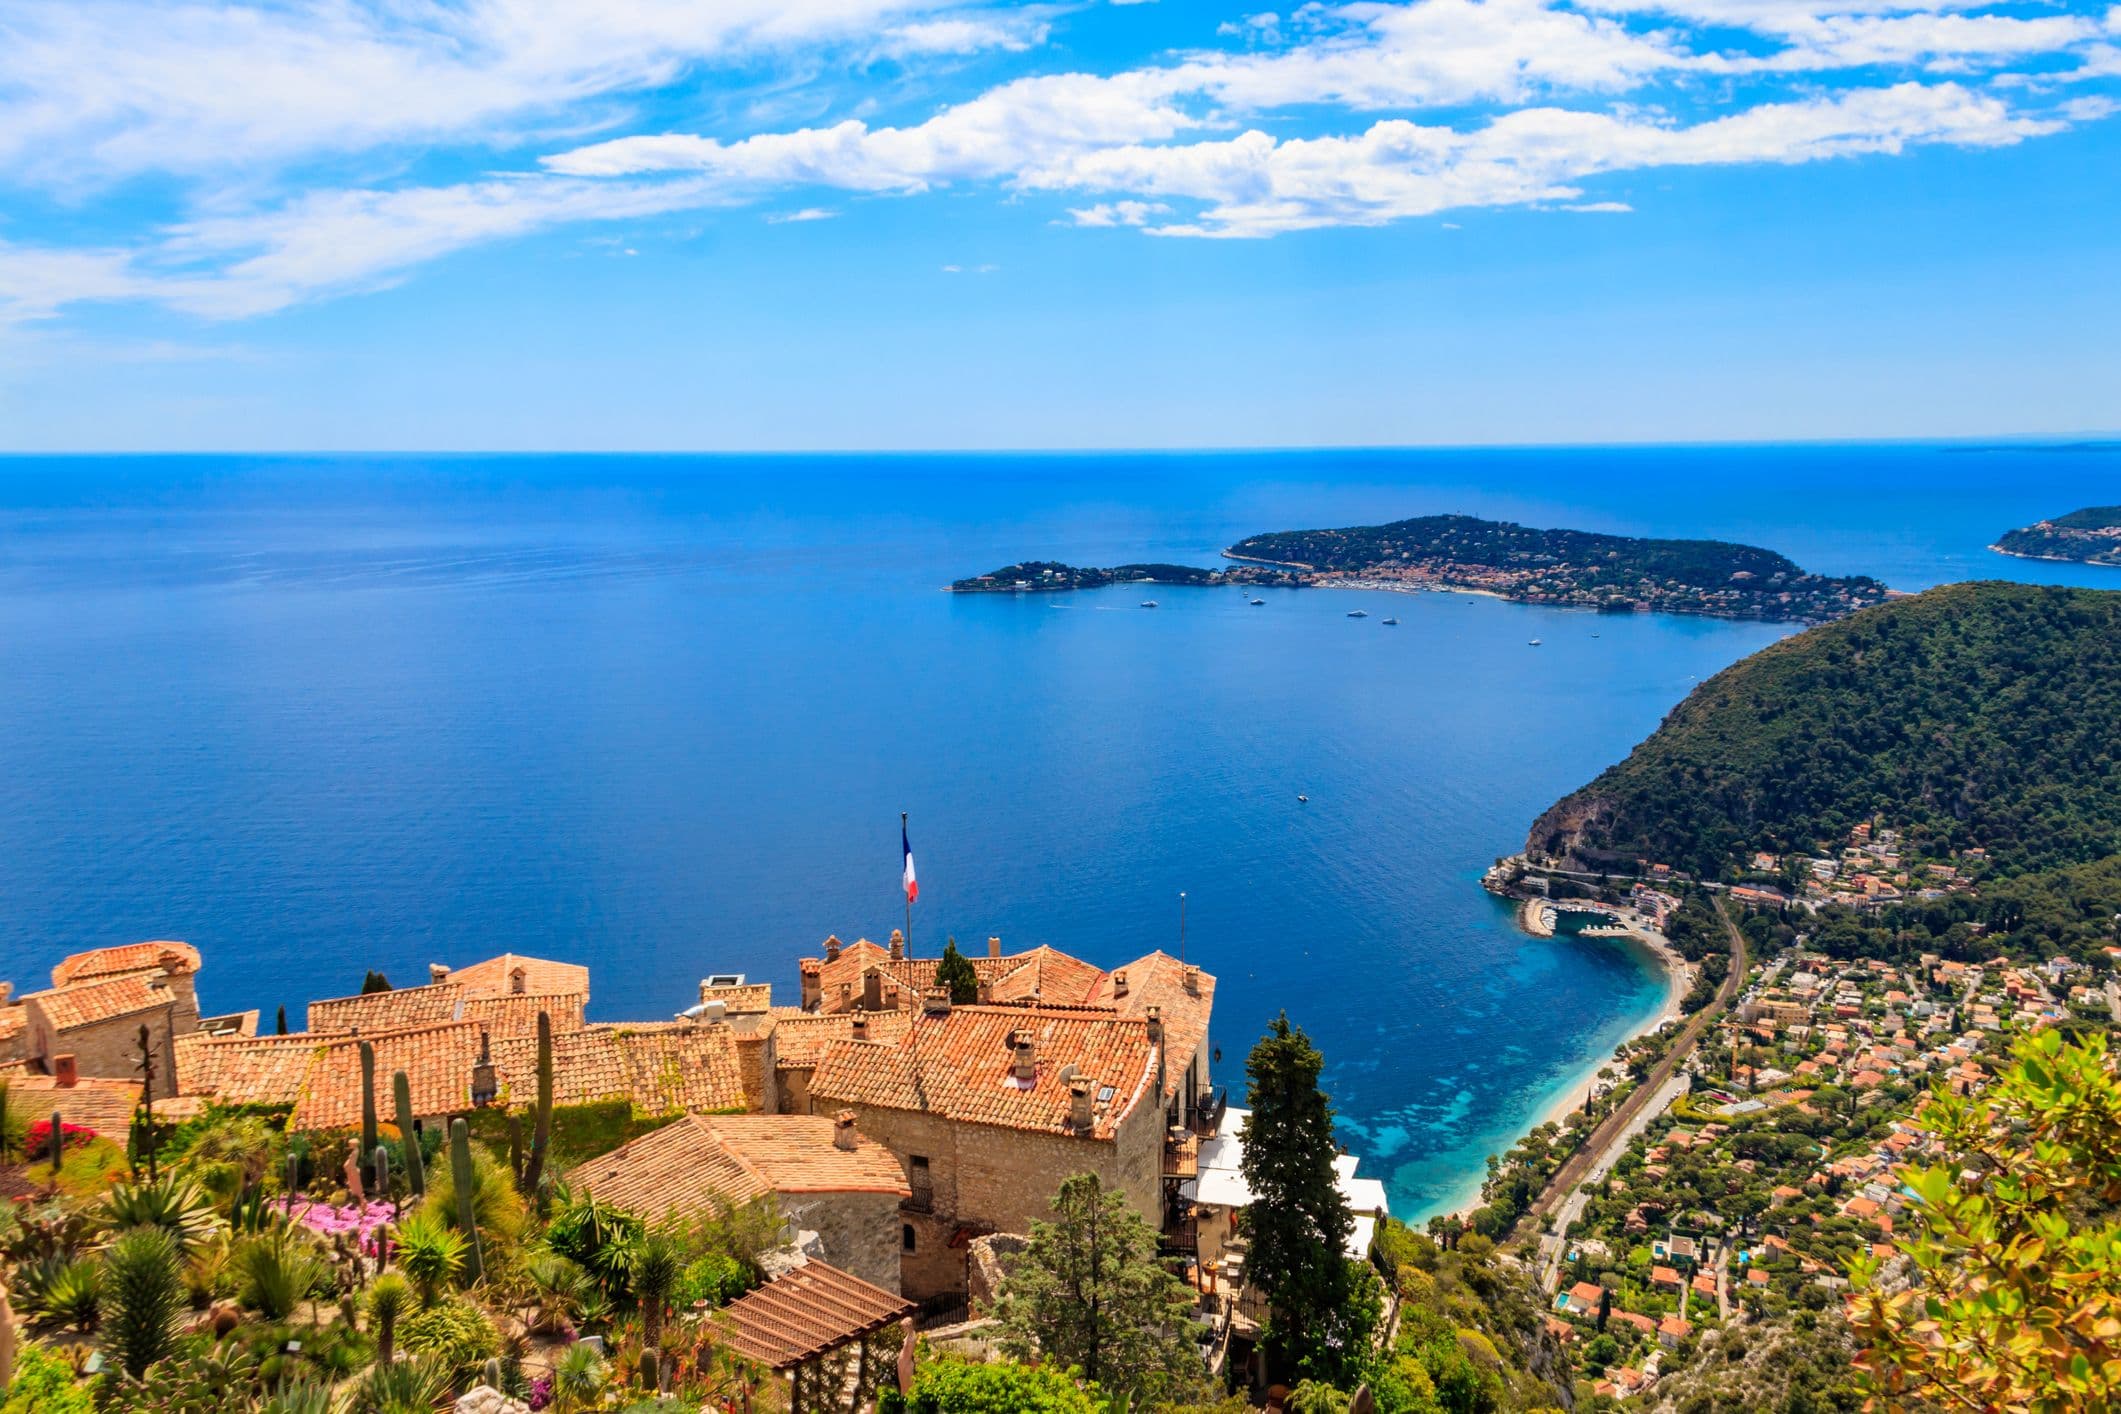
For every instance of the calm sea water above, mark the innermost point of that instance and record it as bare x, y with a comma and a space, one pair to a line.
661, 715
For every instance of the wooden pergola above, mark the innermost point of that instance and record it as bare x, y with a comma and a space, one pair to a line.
818, 1326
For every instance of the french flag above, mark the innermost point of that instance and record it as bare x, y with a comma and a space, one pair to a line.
912, 885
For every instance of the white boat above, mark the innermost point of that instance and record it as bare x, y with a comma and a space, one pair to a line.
1393, 623
1535, 643
1303, 800
1257, 602
1358, 613
1148, 603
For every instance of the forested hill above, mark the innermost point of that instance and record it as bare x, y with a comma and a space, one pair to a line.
1982, 714
2092, 535
1580, 568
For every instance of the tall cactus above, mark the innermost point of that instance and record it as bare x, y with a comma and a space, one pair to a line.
467, 1211
534, 1172
415, 1162
368, 1098
58, 1150
382, 1173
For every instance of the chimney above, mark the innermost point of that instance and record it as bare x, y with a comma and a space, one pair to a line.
1192, 980
485, 1085
898, 946
890, 999
843, 1135
935, 1001
1119, 984
994, 947
170, 962
1155, 1014
846, 995
986, 992
7, 993
436, 972
832, 949
714, 1012
1079, 1093
65, 1074
861, 1027
1024, 1066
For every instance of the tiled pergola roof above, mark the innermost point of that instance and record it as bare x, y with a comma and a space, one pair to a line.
805, 1313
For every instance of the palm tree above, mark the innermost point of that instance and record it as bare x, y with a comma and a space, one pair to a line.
658, 1263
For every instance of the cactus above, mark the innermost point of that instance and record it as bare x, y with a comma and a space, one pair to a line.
651, 1367
382, 1173
467, 1211
515, 1150
541, 1138
368, 1098
58, 1152
415, 1164
490, 1373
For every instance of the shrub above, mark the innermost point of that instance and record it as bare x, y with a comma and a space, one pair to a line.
456, 1333
277, 1270
955, 1387
716, 1279
44, 1384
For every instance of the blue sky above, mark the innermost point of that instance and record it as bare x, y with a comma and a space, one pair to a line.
666, 224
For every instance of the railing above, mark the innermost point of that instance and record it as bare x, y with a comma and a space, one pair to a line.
939, 1311
921, 1200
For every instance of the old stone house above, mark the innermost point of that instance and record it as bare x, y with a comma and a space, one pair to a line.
99, 1000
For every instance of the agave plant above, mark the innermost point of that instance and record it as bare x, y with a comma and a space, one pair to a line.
578, 1377
557, 1287
412, 1386
277, 1270
142, 1297
68, 1293
174, 1204
298, 1396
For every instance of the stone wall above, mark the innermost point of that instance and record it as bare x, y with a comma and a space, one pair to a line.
107, 1049
857, 1232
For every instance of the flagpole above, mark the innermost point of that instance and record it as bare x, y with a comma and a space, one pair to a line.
1181, 925
904, 890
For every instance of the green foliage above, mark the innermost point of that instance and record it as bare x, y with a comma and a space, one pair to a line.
432, 1254
409, 1136
66, 1292
414, 1386
578, 1378
374, 982
658, 1263
715, 1278
456, 1333
173, 1203
277, 1270
44, 1384
199, 1377
390, 1299
956, 972
143, 1297
1088, 1294
599, 1238
1298, 1221
2019, 1271
1973, 714
579, 1132
2074, 536
956, 1387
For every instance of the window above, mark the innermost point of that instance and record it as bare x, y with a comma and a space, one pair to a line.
906, 1236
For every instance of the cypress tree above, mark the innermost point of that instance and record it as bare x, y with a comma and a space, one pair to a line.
279, 1025
956, 972
1298, 1220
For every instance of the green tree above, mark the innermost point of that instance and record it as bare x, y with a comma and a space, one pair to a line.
955, 1387
1298, 1220
1089, 1294
374, 982
2017, 1271
956, 972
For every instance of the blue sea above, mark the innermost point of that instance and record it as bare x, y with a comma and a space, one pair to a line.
660, 715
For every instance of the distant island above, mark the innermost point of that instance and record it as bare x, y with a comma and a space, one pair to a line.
2091, 536
1570, 568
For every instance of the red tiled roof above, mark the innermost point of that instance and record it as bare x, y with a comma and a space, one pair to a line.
1159, 980
496, 976
245, 1070
661, 1067
801, 1039
87, 1003
517, 1014
805, 1313
105, 1106
1048, 975
129, 957
396, 1010
960, 1066
714, 1162
745, 1000
437, 1062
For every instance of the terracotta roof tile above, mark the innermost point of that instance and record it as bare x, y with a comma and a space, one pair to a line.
753, 997
1159, 980
806, 1312
517, 1015
496, 976
86, 1003
13, 1021
660, 1067
245, 1070
1048, 975
800, 1041
130, 957
106, 1106
437, 1062
712, 1162
961, 1066
396, 1010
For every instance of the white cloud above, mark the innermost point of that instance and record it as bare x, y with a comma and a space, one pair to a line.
1599, 207
968, 34
1118, 213
808, 213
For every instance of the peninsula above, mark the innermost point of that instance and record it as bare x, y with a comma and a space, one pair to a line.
1569, 568
2091, 536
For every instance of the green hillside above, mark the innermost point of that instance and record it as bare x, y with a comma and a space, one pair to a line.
1982, 714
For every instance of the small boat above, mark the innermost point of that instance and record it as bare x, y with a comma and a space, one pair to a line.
1303, 799
1148, 603
1535, 643
1358, 613
1257, 602
1392, 623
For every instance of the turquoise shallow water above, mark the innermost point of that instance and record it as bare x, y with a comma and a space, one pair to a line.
660, 714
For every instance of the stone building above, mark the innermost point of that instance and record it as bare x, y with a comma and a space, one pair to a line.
988, 1108
99, 1000
839, 1193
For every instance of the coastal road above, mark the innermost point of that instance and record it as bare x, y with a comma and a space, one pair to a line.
1599, 1152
